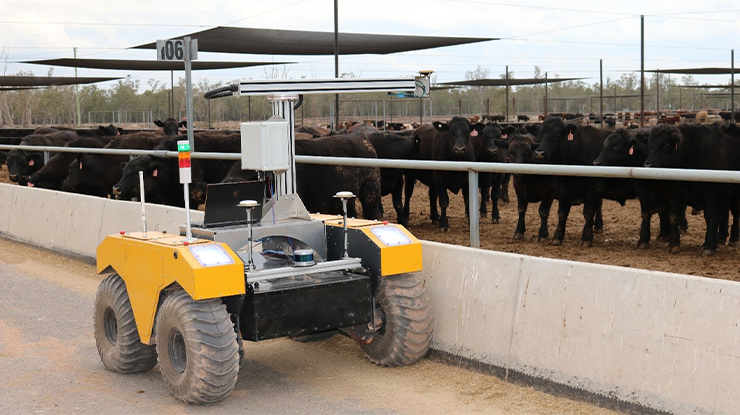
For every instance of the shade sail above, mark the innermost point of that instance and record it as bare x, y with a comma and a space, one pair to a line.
301, 42
696, 71
147, 65
504, 82
49, 80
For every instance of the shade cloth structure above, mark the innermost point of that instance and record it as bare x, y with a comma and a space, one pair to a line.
301, 42
696, 71
18, 81
146, 65
510, 82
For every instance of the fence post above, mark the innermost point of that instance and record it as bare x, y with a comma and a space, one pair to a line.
473, 209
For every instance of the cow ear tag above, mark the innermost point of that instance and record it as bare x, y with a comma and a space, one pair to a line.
154, 173
570, 136
474, 133
80, 165
30, 162
632, 151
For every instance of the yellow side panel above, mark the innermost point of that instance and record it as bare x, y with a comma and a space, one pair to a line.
140, 267
205, 282
398, 259
149, 265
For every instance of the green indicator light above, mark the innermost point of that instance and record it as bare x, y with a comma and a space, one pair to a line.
183, 147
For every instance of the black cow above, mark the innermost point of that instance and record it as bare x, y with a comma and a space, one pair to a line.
529, 188
22, 164
53, 173
393, 146
162, 177
522, 118
3, 158
317, 184
629, 148
170, 126
95, 174
445, 142
485, 150
569, 144
695, 146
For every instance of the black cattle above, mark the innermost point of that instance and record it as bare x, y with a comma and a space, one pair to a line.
569, 144
3, 158
522, 118
445, 142
485, 150
727, 115
23, 163
170, 126
95, 174
162, 177
529, 188
317, 184
393, 146
629, 148
705, 147
53, 173
100, 131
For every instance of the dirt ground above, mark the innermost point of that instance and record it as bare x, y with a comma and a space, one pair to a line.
615, 246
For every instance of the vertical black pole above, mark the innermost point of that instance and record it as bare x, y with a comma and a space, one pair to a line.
172, 94
601, 92
657, 93
732, 85
545, 94
507, 93
642, 70
336, 61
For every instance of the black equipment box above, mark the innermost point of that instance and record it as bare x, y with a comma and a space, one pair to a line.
296, 306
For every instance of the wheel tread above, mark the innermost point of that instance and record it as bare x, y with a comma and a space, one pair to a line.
212, 349
409, 322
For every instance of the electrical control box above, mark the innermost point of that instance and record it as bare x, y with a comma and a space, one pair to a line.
265, 145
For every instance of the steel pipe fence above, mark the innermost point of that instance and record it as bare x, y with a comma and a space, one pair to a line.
473, 169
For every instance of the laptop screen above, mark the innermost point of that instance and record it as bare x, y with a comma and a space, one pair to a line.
222, 200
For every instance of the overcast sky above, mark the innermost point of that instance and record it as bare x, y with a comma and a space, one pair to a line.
565, 38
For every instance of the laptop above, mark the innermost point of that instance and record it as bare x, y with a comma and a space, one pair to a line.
222, 199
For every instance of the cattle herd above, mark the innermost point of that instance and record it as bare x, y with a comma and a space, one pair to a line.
555, 140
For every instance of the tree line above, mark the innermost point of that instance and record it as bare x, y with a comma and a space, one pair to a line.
127, 101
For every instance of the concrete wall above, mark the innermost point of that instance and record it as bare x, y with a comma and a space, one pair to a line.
665, 341
76, 223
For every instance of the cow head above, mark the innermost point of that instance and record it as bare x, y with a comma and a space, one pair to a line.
459, 129
128, 187
23, 164
170, 126
616, 150
521, 148
664, 146
491, 133
554, 136
105, 131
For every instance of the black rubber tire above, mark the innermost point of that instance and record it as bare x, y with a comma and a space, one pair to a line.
407, 322
197, 348
116, 335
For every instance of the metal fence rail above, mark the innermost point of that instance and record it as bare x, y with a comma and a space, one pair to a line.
473, 168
